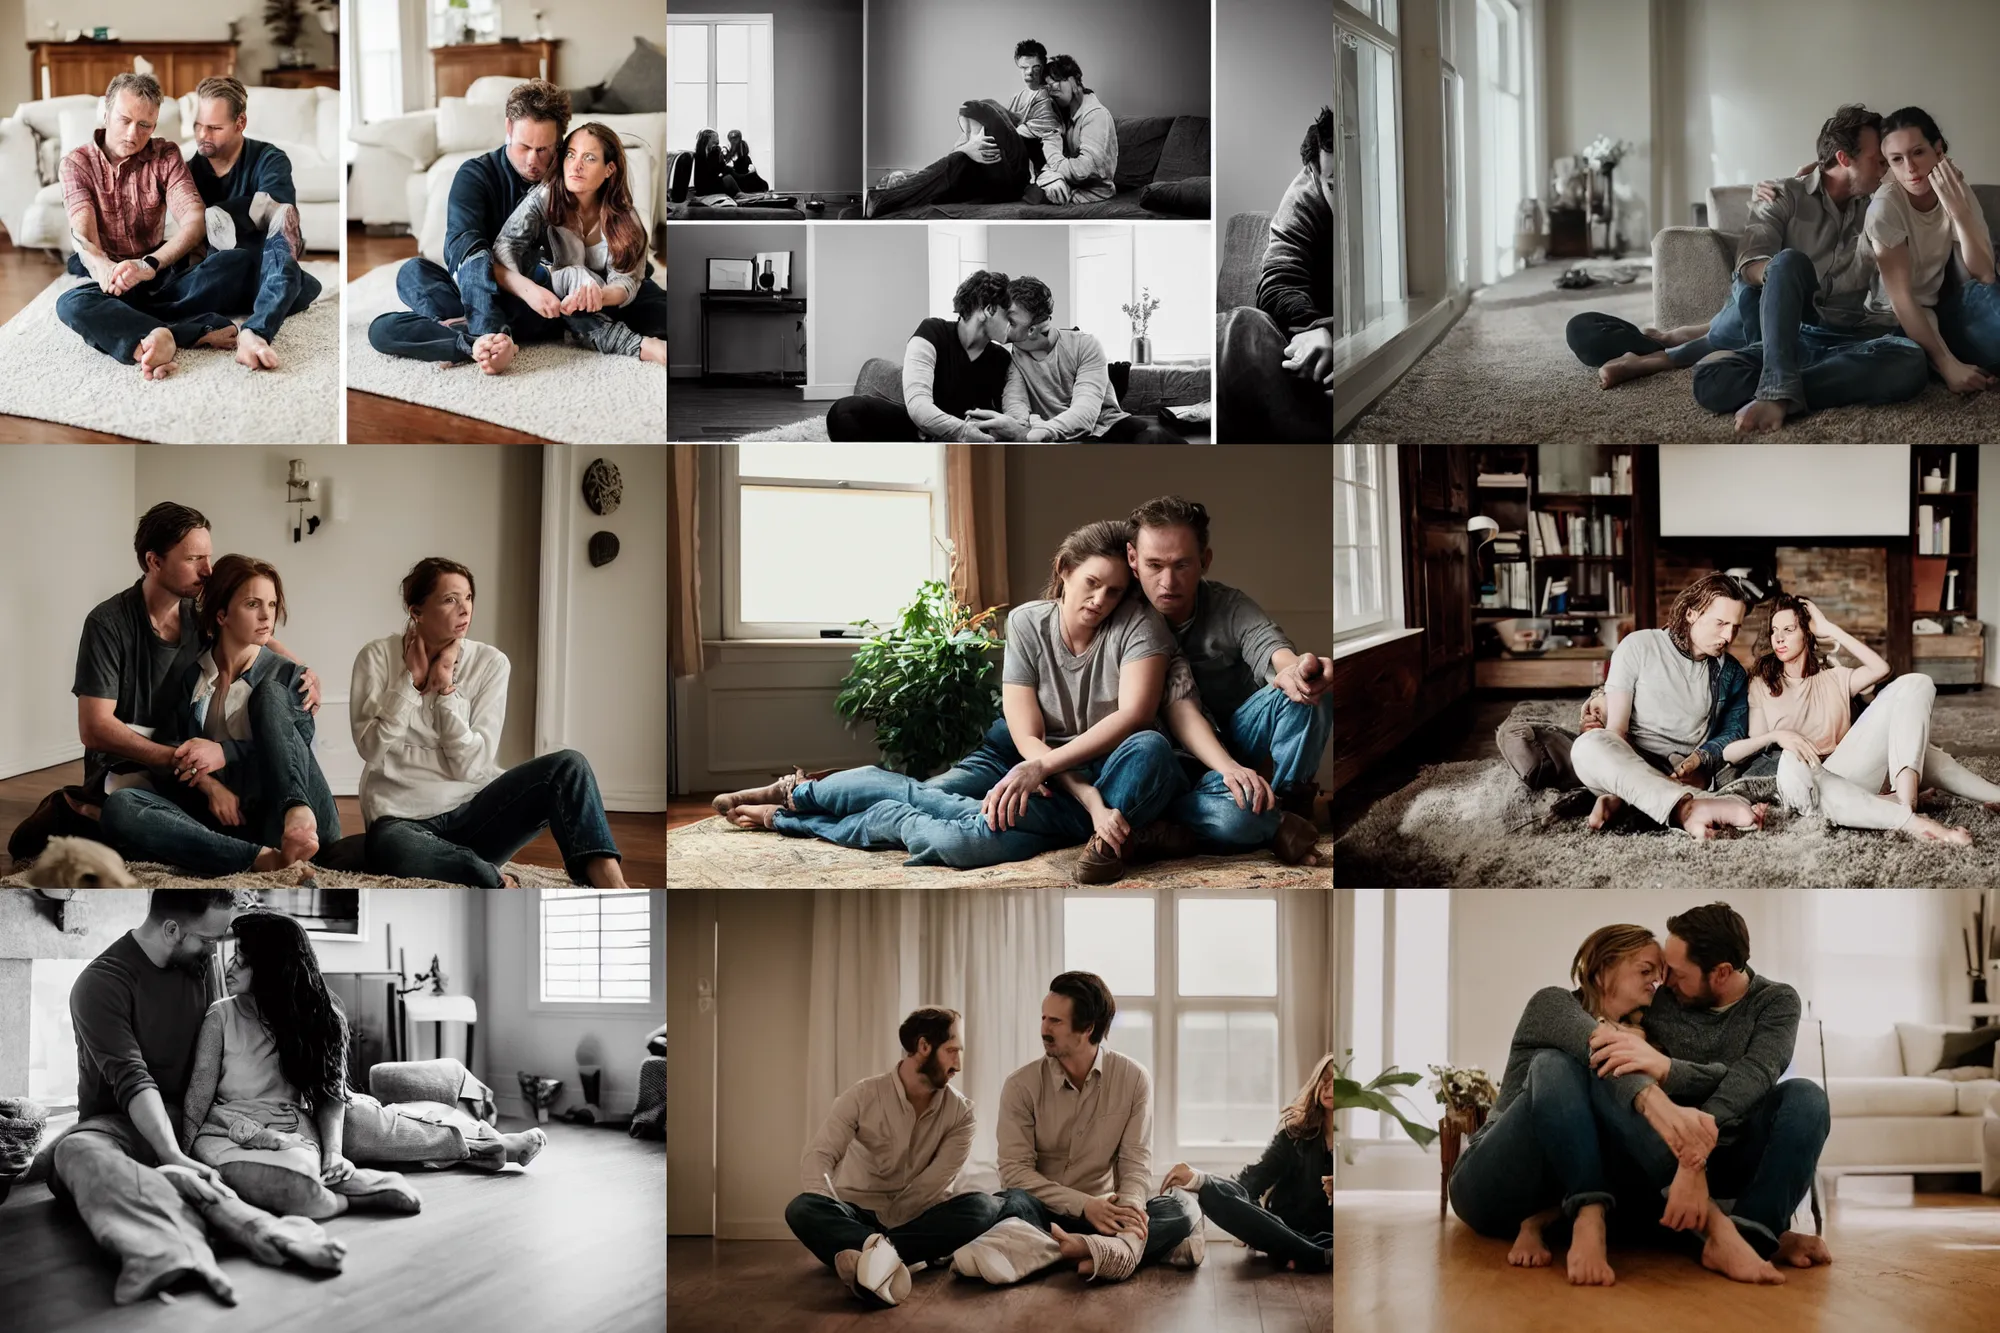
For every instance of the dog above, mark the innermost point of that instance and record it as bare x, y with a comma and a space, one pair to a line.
79, 863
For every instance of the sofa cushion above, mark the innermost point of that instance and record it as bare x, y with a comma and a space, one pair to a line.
45, 116
1150, 388
640, 85
1141, 139
1975, 1049
880, 378
79, 127
467, 126
1185, 154
1976, 1095
1244, 240
1922, 1045
1187, 197
414, 136
1891, 1096
283, 115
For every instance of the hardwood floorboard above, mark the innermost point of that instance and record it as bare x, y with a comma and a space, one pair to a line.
725, 411
750, 1286
1929, 1266
641, 838
571, 1241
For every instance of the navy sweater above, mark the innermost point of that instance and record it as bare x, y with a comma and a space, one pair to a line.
484, 194
260, 168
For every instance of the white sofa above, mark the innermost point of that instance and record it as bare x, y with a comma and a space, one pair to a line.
403, 166
305, 122
1891, 1115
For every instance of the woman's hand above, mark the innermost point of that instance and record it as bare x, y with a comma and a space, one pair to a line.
1110, 825
1180, 1173
333, 1168
222, 803
195, 758
1949, 184
543, 302
1008, 800
443, 667
1961, 378
1326, 1184
416, 658
1247, 788
1796, 745
1821, 627
587, 298
981, 148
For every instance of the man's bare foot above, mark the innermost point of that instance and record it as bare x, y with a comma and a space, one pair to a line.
752, 816
1759, 417
1801, 1250
1631, 366
1529, 1251
1605, 810
1073, 1249
300, 841
1705, 814
269, 859
779, 792
653, 350
494, 352
1925, 829
1588, 1264
155, 355
1727, 1253
222, 339
253, 352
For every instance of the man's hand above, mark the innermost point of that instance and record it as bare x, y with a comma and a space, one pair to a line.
1687, 1201
197, 1182
970, 433
543, 302
981, 148
1181, 1174
1591, 716
222, 803
127, 274
415, 658
1616, 1051
1247, 787
1689, 771
1110, 825
1310, 356
1961, 378
998, 425
198, 758
333, 1168
1008, 800
1307, 678
309, 688
1111, 1217
1689, 1131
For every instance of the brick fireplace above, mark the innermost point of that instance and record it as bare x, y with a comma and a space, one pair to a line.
1851, 584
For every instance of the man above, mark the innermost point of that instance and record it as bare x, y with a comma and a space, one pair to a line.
138, 1010
459, 312
1076, 1145
246, 185
150, 296
1000, 148
1268, 702
951, 369
1673, 701
1085, 169
1058, 383
1737, 1156
1275, 361
878, 1178
1798, 333
133, 647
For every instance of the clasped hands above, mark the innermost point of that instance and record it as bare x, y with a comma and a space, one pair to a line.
1111, 1217
430, 673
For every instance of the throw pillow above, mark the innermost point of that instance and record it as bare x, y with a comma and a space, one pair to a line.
1121, 378
640, 85
79, 126
596, 98
414, 136
469, 127
1183, 198
1191, 414
1965, 1049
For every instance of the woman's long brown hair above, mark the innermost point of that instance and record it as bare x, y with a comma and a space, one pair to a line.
627, 243
1107, 537
1604, 949
1769, 668
1303, 1116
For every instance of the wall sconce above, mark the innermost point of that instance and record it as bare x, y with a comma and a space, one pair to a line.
309, 497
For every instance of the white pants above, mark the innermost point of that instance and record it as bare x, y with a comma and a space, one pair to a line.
1892, 734
1608, 765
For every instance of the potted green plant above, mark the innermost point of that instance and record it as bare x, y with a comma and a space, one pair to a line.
1380, 1093
929, 682
285, 18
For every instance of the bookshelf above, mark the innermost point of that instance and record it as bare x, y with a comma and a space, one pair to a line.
1944, 560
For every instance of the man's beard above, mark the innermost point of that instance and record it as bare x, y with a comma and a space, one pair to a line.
193, 964
932, 1070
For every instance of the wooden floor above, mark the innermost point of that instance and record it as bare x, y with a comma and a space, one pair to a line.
1933, 1267
573, 1241
641, 838
762, 1286
698, 412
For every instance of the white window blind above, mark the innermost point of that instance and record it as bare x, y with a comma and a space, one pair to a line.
596, 946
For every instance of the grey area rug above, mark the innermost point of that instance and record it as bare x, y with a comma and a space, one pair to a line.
572, 395
715, 854
53, 375
1473, 824
1505, 375
151, 875
812, 429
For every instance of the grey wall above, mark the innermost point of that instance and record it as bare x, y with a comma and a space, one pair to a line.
818, 56
925, 57
1273, 72
872, 291
740, 342
1022, 248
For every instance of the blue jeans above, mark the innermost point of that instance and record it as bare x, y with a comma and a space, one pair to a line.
1267, 724
469, 844
1229, 1206
1596, 337
1968, 316
1168, 1221
827, 1226
1801, 364
283, 288
1542, 1151
187, 300
873, 808
434, 295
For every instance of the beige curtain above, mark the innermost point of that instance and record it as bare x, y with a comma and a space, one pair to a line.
683, 564
976, 491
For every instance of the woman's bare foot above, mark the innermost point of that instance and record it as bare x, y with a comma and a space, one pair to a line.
752, 816
653, 350
1729, 1254
1674, 337
222, 339
1801, 1250
300, 841
1760, 416
494, 352
155, 355
779, 792
1529, 1251
1704, 814
1588, 1264
1605, 810
253, 353
1925, 829
1631, 366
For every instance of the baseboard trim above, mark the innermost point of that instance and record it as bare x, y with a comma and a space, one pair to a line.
1359, 383
644, 800
34, 761
817, 393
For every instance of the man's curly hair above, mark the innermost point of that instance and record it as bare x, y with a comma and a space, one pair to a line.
984, 288
1319, 138
1032, 295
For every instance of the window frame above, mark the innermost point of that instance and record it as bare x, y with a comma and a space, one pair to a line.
1199, 351
1387, 543
767, 153
1382, 1135
734, 627
1354, 27
656, 958
1499, 261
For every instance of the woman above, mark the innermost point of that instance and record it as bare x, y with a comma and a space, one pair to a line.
951, 368
574, 250
1073, 759
711, 171
1295, 1176
736, 160
428, 709
1800, 730
262, 803
1922, 215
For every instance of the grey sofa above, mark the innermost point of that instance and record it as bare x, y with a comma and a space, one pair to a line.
1692, 266
1148, 389
1244, 240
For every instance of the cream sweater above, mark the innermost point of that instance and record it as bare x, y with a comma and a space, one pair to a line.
425, 754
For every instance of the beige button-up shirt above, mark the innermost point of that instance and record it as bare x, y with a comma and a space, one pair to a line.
1067, 1145
1804, 218
885, 1157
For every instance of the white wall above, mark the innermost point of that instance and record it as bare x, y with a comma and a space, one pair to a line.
763, 982
596, 34
1025, 249
1272, 63
869, 289
53, 581
146, 21
421, 923
1599, 55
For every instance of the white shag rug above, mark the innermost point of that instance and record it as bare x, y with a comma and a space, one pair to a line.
572, 395
54, 375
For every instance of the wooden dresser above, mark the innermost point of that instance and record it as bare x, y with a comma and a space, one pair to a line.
63, 69
296, 77
455, 67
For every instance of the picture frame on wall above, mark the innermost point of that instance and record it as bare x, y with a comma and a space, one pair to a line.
340, 914
732, 275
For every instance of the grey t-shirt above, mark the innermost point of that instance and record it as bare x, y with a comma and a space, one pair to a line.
1670, 692
121, 658
1228, 643
1077, 691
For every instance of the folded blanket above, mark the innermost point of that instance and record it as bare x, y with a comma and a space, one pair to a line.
445, 1080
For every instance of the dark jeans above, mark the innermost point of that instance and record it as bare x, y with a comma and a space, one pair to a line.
174, 825
1968, 316
1596, 337
468, 845
865, 418
617, 330
827, 1226
472, 294
1257, 399
956, 178
187, 300
1168, 1221
1141, 428
1542, 1151
939, 824
1267, 724
1229, 1206
282, 287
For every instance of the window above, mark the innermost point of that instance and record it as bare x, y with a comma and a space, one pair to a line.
1382, 11
1875, 955
1367, 194
1502, 133
1113, 263
1454, 179
479, 17
1364, 555
596, 947
51, 1037
881, 506
1400, 965
719, 77
375, 91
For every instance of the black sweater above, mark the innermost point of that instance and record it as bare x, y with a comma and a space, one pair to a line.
1290, 1171
960, 383
136, 1027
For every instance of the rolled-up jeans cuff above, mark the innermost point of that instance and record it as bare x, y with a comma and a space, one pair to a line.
1575, 1202
1760, 1236
1791, 392
1687, 354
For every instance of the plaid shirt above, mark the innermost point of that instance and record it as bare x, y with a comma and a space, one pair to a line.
129, 198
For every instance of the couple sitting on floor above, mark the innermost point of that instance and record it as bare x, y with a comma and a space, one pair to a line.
197, 726
728, 173
1096, 680
237, 1115
1678, 717
1054, 143
1653, 1117
959, 383
542, 242
1841, 294
1075, 1148
150, 296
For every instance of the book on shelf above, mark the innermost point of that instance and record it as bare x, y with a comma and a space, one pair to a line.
1502, 480
1926, 530
1951, 473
